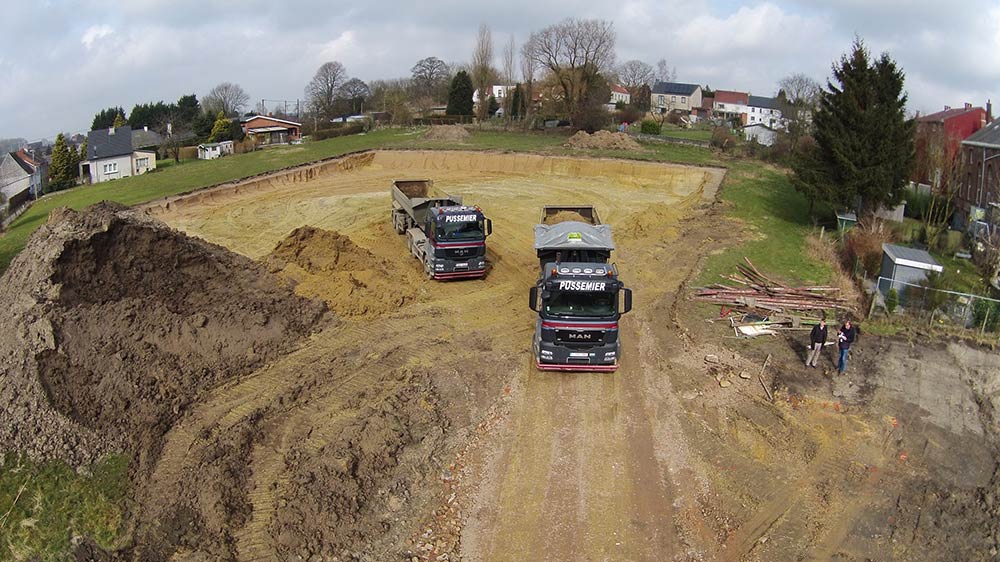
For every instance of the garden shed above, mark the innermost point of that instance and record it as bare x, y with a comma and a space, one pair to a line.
905, 265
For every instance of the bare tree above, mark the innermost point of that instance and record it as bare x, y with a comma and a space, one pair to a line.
322, 90
430, 76
577, 52
528, 68
507, 63
635, 74
355, 91
800, 90
227, 97
665, 73
482, 69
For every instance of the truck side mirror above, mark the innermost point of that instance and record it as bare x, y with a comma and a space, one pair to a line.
628, 300
533, 298
489, 227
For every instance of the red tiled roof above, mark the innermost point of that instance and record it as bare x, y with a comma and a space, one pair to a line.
726, 96
942, 116
23, 155
617, 88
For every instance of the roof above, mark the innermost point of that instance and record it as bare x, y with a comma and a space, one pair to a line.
987, 137
573, 235
617, 88
214, 144
676, 88
911, 257
275, 119
266, 129
102, 144
942, 116
142, 138
763, 101
729, 96
22, 160
747, 126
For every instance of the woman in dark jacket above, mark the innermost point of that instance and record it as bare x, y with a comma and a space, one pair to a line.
845, 337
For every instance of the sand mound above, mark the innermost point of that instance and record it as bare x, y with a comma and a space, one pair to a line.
447, 133
114, 324
565, 216
604, 140
330, 266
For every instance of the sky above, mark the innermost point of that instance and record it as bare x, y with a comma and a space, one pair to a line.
62, 61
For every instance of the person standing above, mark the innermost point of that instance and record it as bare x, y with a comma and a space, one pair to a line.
817, 340
845, 337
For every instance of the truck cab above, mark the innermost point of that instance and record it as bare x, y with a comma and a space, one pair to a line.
456, 242
578, 305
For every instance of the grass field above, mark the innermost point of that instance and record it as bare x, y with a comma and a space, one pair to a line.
42, 507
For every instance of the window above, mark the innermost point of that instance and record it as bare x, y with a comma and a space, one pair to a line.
142, 163
673, 98
684, 99
662, 100
111, 168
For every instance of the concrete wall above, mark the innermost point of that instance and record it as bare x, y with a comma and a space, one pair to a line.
98, 174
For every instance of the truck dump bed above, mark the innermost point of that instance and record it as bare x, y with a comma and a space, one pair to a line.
573, 241
555, 214
417, 197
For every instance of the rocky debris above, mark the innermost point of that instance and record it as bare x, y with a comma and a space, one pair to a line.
602, 140
116, 323
447, 133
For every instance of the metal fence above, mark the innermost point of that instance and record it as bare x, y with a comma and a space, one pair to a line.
964, 310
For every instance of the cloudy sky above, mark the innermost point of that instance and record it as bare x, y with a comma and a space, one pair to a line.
61, 61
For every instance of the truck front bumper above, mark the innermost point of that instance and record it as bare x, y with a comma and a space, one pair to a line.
554, 357
460, 274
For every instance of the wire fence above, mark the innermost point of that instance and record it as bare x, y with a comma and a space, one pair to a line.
974, 312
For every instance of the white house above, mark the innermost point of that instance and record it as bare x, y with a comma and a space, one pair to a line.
764, 110
620, 94
213, 150
110, 156
498, 92
759, 132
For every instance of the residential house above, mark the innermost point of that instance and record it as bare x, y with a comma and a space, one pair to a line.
979, 187
20, 180
675, 96
938, 138
268, 130
144, 139
110, 156
619, 95
705, 111
765, 110
213, 150
730, 105
498, 92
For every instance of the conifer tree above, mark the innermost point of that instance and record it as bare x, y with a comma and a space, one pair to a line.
60, 173
864, 140
517, 102
220, 131
460, 95
119, 121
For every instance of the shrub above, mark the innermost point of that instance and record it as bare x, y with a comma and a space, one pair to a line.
917, 204
349, 129
629, 114
188, 153
650, 127
986, 314
723, 139
863, 245
892, 300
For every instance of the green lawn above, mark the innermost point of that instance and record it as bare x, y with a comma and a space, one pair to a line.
764, 199
50, 503
689, 134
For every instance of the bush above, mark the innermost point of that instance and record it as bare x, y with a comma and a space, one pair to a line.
674, 118
349, 129
917, 204
628, 114
863, 245
988, 313
723, 139
892, 300
188, 153
650, 127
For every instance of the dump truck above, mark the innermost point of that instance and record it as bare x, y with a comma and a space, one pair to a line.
447, 237
578, 296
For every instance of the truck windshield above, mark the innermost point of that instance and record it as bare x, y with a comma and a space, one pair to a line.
469, 230
580, 303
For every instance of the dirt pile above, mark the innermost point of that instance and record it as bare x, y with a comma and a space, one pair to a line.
565, 216
116, 323
602, 140
447, 133
330, 266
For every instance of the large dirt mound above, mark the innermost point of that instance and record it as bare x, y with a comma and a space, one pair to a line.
602, 140
353, 281
447, 133
114, 324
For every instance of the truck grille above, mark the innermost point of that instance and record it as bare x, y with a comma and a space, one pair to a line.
579, 337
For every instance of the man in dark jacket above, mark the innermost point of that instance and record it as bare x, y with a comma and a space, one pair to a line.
845, 337
817, 339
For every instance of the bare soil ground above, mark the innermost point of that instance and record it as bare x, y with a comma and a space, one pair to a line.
416, 427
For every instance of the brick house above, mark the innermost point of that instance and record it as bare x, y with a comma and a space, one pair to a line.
270, 130
979, 187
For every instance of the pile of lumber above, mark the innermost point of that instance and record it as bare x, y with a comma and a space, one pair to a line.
755, 292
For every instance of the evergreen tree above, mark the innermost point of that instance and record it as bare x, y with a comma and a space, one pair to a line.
60, 168
864, 141
220, 131
517, 101
119, 121
83, 150
105, 118
460, 95
492, 106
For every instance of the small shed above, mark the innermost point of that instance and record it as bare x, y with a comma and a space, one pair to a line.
905, 265
213, 150
846, 220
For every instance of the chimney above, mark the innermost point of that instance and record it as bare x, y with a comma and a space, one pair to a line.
968, 105
146, 127
989, 111
111, 130
170, 129
947, 107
